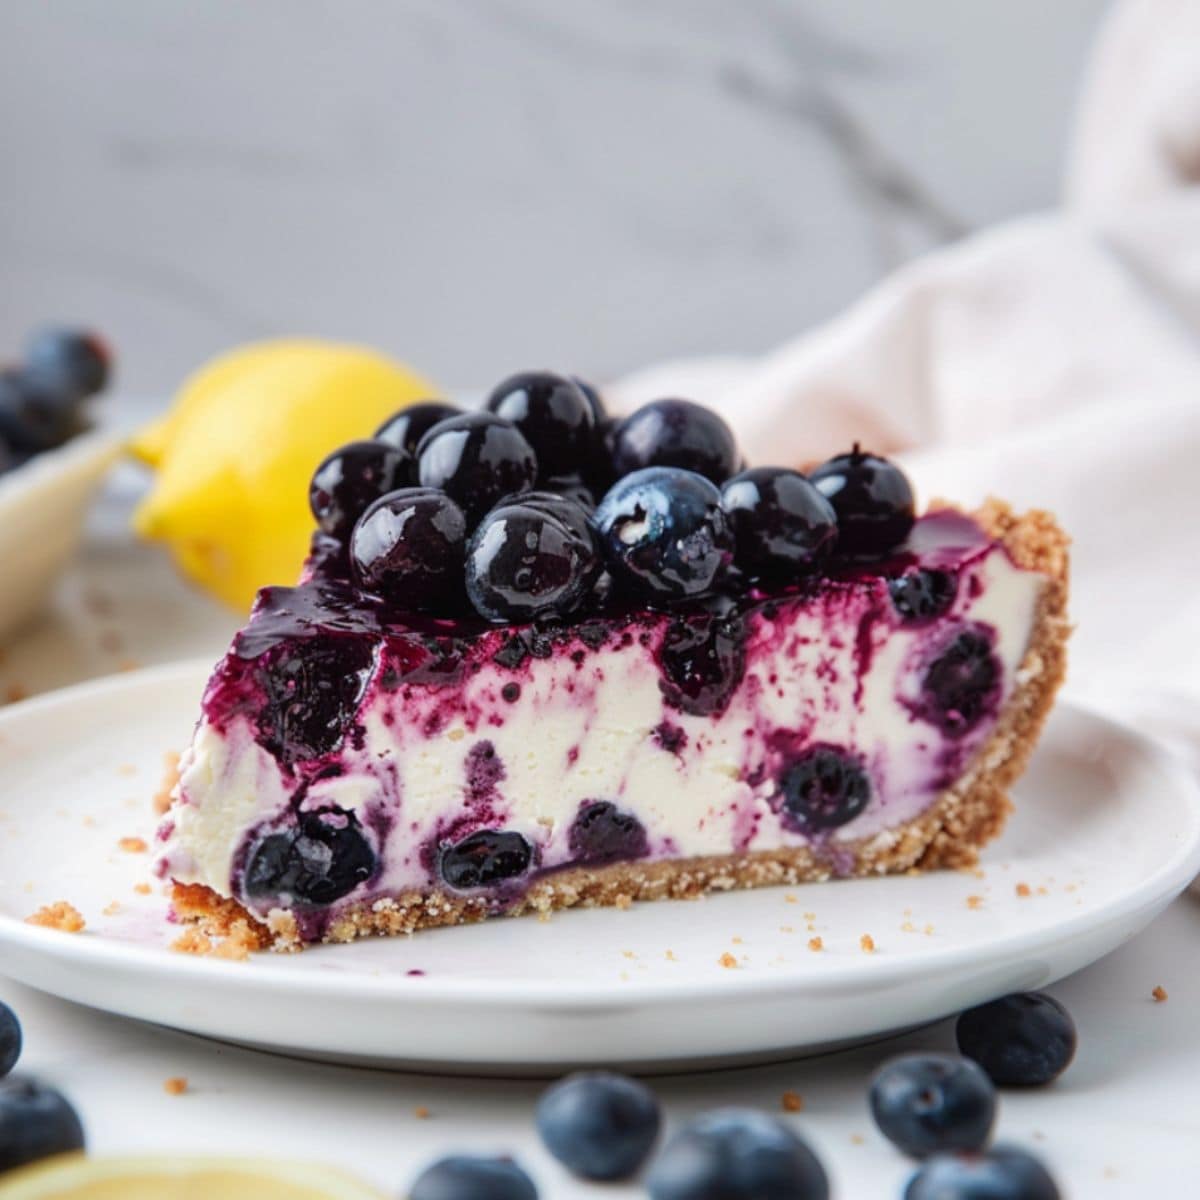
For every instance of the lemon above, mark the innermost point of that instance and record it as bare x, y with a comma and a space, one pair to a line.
235, 453
180, 1178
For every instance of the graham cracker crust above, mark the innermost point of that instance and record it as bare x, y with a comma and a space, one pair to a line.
949, 834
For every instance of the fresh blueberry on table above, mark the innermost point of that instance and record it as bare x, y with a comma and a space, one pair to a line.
406, 428
1002, 1173
555, 416
737, 1154
873, 501
470, 1177
34, 415
76, 361
599, 1125
10, 1039
782, 525
1023, 1040
352, 478
675, 433
35, 1122
926, 1103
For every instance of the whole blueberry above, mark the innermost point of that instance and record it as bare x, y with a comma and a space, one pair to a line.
873, 501
925, 1103
486, 857
1023, 1040
962, 684
737, 1154
34, 414
553, 413
602, 833
922, 593
599, 1125
573, 487
78, 360
533, 555
594, 399
352, 478
1002, 1173
35, 1122
471, 1177
675, 433
10, 1039
823, 788
664, 533
781, 524
322, 859
409, 547
406, 428
476, 458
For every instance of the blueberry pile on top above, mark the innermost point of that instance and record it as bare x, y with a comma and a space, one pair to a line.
42, 399
540, 504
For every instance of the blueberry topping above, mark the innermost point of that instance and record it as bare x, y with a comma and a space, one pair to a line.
34, 414
599, 1125
321, 860
824, 788
781, 524
962, 684
926, 1103
406, 428
703, 658
476, 458
78, 361
1002, 1173
737, 1154
409, 547
466, 1177
922, 594
1023, 1040
10, 1039
595, 400
664, 533
485, 858
602, 833
675, 433
553, 413
873, 501
352, 478
533, 555
35, 1122
573, 487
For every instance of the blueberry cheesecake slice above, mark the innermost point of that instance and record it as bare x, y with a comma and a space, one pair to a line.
540, 659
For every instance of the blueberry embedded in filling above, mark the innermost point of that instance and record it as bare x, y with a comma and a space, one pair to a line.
321, 860
702, 658
602, 833
962, 684
485, 858
922, 593
824, 788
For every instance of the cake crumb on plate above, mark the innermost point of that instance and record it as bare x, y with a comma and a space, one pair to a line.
1024, 890
1159, 994
791, 1102
175, 1086
111, 908
974, 901
421, 1113
162, 798
815, 943
142, 889
727, 960
59, 915
867, 942
133, 845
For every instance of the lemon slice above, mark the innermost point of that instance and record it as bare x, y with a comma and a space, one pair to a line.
74, 1177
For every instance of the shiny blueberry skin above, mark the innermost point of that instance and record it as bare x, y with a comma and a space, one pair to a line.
468, 1177
926, 1103
675, 433
10, 1039
873, 501
602, 833
484, 858
573, 487
1023, 1040
737, 1154
824, 788
782, 525
476, 458
406, 428
664, 533
922, 594
962, 684
35, 415
554, 415
599, 1125
352, 478
533, 555
35, 1122
408, 546
594, 399
323, 859
703, 659
1002, 1173
77, 360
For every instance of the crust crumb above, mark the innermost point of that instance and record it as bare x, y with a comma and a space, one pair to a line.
1159, 994
142, 889
1024, 890
421, 1113
59, 915
727, 960
15, 693
816, 944
112, 908
175, 1086
133, 845
670, 956
867, 942
857, 1139
162, 798
791, 1102
974, 901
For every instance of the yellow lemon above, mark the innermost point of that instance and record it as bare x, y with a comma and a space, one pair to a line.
235, 453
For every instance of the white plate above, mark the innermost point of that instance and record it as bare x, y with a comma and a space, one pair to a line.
1106, 833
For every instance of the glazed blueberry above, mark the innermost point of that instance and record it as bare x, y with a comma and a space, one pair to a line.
781, 524
599, 1125
78, 361
1002, 1173
484, 858
476, 458
737, 1154
553, 413
703, 658
675, 433
573, 487
323, 859
922, 594
873, 501
664, 533
533, 555
962, 684
824, 788
409, 547
594, 399
1023, 1040
406, 428
10, 1039
352, 478
602, 833
469, 1177
35, 1122
34, 415
926, 1103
